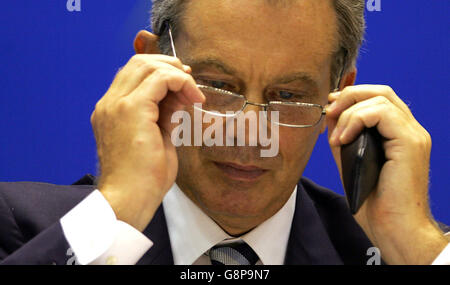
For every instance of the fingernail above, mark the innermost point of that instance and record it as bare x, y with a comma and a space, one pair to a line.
335, 95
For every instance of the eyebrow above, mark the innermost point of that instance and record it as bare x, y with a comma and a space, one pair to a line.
212, 62
285, 79
298, 76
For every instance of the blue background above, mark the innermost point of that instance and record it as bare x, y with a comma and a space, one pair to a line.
55, 65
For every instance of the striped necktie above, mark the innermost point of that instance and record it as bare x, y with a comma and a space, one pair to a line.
233, 254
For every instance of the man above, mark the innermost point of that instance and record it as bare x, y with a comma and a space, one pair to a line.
157, 204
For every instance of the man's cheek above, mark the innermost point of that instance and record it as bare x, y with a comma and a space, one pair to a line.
290, 140
297, 144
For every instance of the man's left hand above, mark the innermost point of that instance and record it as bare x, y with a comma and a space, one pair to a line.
396, 216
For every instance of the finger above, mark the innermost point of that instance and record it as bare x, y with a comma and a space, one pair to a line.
162, 81
333, 96
139, 67
135, 77
171, 157
168, 106
354, 94
377, 111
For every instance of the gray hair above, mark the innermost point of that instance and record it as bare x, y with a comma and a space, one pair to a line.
351, 28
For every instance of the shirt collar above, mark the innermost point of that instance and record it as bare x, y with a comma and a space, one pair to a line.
192, 232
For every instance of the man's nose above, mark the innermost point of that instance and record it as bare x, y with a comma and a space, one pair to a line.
246, 126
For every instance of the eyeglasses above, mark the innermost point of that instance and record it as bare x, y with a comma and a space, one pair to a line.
224, 103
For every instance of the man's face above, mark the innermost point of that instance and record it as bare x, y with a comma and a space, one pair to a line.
254, 47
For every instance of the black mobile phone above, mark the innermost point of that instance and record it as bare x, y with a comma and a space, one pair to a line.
362, 161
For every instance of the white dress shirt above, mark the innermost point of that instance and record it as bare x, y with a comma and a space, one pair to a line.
97, 237
268, 240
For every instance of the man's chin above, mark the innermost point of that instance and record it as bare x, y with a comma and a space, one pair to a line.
233, 199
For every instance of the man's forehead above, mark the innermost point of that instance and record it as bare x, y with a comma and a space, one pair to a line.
276, 19
259, 39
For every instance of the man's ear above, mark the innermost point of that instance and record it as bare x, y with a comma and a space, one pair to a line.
146, 42
349, 78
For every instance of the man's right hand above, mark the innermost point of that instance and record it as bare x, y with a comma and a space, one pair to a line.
131, 124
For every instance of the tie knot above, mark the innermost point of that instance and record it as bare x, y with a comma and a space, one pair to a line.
233, 254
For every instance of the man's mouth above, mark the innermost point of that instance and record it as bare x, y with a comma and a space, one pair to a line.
246, 173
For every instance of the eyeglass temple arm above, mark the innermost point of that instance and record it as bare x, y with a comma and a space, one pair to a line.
171, 42
341, 75
166, 25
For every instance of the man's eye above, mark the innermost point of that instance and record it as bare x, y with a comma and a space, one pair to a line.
217, 84
285, 95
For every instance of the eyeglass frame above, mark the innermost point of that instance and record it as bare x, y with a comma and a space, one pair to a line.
264, 106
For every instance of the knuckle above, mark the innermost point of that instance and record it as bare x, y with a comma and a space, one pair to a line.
161, 74
174, 78
386, 90
153, 108
148, 67
421, 139
119, 72
346, 114
359, 116
429, 142
93, 117
427, 138
138, 58
101, 110
175, 61
186, 78
349, 87
142, 61
98, 113
123, 106
383, 100
177, 80
98, 106
380, 102
417, 141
